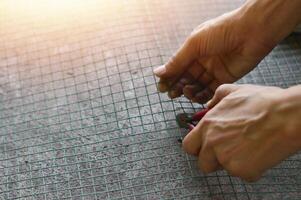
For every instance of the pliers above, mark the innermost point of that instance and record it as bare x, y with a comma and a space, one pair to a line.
189, 121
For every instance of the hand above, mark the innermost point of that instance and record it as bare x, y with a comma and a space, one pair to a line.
224, 49
248, 130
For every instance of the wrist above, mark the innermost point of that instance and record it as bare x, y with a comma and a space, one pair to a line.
273, 20
290, 110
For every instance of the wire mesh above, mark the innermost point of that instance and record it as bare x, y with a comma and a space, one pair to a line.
80, 117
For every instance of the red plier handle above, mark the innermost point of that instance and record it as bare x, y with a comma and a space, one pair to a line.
197, 117
200, 114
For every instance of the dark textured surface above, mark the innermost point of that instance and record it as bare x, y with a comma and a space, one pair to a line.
80, 117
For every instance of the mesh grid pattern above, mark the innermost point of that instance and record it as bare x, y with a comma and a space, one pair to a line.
80, 117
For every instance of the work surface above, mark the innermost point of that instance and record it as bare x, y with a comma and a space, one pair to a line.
80, 117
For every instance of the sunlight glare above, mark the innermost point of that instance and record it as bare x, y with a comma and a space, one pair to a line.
50, 8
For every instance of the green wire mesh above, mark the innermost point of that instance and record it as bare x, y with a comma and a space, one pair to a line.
80, 117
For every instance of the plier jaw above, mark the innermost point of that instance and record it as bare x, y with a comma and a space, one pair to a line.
189, 121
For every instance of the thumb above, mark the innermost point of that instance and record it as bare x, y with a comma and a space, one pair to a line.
177, 65
221, 92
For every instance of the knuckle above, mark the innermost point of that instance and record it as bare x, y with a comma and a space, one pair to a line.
172, 62
208, 141
191, 41
206, 121
235, 170
193, 34
203, 168
203, 155
243, 172
201, 27
188, 148
251, 178
202, 163
223, 158
222, 87
195, 30
251, 175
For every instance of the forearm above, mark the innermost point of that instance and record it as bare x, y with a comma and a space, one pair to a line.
275, 19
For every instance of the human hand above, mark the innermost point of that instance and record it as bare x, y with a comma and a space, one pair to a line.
224, 49
248, 130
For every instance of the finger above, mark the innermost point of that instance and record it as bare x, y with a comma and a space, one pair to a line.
207, 160
177, 65
163, 86
189, 77
223, 65
205, 78
176, 91
203, 96
196, 70
186, 80
214, 85
221, 92
190, 90
193, 140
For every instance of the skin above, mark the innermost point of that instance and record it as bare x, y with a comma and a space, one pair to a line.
244, 132
253, 137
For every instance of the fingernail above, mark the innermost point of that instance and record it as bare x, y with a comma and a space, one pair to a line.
187, 92
172, 94
162, 87
159, 71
